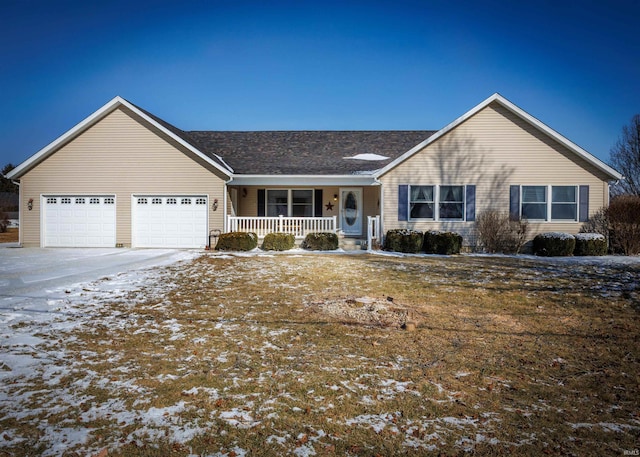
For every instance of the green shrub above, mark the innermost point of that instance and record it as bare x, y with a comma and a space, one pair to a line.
403, 240
445, 243
278, 242
237, 241
590, 244
554, 244
323, 241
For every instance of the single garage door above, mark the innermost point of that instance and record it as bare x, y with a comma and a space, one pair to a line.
79, 221
169, 221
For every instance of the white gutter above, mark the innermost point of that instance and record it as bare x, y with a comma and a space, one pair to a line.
303, 180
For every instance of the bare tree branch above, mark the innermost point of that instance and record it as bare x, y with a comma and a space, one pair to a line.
625, 157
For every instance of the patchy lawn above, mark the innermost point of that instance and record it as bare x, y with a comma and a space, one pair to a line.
277, 355
10, 236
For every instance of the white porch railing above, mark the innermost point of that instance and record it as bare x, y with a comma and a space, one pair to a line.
297, 226
374, 235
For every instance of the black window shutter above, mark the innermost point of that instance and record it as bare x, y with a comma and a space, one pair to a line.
471, 203
583, 212
514, 202
261, 202
403, 202
318, 203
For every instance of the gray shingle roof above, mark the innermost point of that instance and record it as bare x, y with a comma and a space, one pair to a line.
299, 152
305, 152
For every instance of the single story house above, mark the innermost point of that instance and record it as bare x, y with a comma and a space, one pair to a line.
124, 177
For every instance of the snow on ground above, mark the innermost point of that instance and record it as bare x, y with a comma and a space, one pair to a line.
50, 292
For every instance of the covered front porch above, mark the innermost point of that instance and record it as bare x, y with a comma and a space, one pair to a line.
352, 212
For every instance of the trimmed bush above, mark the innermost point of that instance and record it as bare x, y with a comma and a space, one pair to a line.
278, 242
323, 241
403, 240
445, 243
554, 244
590, 244
237, 241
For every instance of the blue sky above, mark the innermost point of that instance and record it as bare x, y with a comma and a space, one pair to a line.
322, 65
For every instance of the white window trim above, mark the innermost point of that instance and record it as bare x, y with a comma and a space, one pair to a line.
436, 203
289, 199
549, 203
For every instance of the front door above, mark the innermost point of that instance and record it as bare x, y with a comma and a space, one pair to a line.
351, 211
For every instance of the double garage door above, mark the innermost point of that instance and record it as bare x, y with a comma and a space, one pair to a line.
156, 221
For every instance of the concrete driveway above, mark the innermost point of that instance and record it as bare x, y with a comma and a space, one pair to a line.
29, 276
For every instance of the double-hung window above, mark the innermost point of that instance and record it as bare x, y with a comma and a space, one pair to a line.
277, 203
534, 203
445, 203
422, 202
564, 203
302, 203
289, 202
451, 204
549, 203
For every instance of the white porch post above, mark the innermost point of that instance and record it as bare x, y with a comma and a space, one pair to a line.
224, 209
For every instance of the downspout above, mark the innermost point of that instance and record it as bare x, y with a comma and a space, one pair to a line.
611, 184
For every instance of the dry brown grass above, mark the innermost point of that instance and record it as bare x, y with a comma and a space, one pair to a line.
510, 357
10, 236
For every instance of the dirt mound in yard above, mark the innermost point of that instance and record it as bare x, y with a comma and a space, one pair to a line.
367, 311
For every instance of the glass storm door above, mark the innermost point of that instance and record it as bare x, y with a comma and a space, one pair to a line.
351, 211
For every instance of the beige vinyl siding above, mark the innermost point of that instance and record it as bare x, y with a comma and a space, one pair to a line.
121, 156
247, 205
492, 150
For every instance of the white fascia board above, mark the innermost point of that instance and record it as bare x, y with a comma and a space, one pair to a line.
303, 180
51, 147
435, 136
593, 160
519, 112
92, 119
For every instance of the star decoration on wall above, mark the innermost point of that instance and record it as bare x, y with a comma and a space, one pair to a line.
329, 206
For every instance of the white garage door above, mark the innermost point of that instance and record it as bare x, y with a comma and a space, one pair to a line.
169, 221
79, 221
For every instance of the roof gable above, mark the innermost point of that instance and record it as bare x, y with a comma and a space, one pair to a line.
497, 98
100, 114
303, 153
